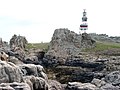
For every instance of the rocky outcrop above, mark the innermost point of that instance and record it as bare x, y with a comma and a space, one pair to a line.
3, 43
10, 73
26, 76
18, 41
87, 41
105, 37
35, 56
66, 43
35, 70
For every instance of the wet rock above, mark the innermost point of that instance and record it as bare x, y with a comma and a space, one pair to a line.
95, 66
31, 60
84, 77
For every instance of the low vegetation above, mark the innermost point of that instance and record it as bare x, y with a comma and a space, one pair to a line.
38, 46
101, 46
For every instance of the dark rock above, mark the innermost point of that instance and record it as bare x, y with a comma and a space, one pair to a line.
48, 62
85, 64
31, 60
83, 77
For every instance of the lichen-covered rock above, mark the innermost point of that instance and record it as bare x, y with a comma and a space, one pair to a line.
98, 82
113, 78
18, 41
31, 69
19, 53
9, 73
54, 85
14, 86
87, 41
36, 83
81, 86
109, 87
66, 43
15, 60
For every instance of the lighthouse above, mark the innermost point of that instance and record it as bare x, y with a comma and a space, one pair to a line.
84, 25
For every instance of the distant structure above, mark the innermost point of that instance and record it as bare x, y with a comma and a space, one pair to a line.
84, 25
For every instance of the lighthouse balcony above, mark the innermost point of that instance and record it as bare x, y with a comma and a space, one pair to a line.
83, 26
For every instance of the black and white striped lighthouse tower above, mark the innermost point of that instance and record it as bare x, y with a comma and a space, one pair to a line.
84, 25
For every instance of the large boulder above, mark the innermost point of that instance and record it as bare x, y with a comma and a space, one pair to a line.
113, 78
9, 73
18, 41
35, 70
66, 43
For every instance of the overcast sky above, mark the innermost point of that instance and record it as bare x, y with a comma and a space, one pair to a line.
37, 19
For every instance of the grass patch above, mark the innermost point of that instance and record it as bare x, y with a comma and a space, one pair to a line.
101, 46
37, 46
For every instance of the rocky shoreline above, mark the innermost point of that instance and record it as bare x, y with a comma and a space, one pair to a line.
63, 67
